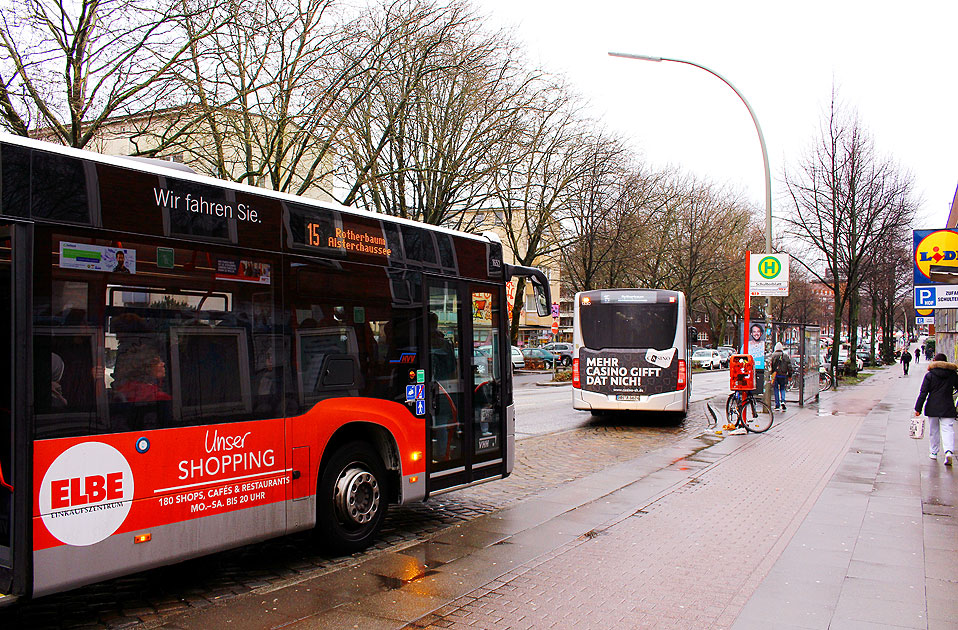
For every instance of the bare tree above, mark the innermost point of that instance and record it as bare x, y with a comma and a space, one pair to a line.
610, 205
67, 68
272, 90
698, 242
887, 281
550, 155
846, 205
429, 142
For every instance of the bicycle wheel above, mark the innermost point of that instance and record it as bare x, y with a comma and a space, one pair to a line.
824, 381
731, 408
756, 415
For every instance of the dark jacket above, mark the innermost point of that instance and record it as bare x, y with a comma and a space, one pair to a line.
939, 384
780, 363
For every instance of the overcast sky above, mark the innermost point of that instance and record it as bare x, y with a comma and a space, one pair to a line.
895, 63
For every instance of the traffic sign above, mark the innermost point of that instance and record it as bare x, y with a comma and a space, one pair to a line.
555, 327
768, 274
941, 296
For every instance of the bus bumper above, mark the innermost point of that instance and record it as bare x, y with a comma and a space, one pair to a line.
589, 401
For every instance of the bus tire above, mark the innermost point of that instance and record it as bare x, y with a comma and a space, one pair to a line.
351, 500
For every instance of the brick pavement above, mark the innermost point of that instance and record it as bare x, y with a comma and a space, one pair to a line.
879, 549
687, 559
677, 538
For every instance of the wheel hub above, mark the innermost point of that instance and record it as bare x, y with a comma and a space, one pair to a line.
356, 496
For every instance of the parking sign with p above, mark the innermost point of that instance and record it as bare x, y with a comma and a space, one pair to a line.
925, 297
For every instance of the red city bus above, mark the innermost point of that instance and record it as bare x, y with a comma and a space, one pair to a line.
192, 365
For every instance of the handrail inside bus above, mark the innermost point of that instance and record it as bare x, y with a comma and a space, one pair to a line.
3, 482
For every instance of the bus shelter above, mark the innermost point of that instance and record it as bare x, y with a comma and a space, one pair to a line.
801, 342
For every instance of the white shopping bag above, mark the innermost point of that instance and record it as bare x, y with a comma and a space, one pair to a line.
917, 429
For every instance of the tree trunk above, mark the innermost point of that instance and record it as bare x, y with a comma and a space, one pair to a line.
837, 330
854, 301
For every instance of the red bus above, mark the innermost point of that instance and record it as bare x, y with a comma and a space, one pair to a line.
190, 365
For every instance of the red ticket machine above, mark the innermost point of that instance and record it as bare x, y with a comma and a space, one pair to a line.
741, 372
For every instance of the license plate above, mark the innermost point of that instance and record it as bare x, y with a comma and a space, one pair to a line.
624, 397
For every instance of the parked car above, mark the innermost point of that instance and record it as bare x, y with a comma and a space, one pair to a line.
518, 361
708, 359
561, 349
482, 361
725, 352
538, 359
843, 353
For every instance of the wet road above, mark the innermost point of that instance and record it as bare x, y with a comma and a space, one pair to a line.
541, 410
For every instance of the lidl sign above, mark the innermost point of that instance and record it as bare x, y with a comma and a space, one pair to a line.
936, 257
767, 274
935, 270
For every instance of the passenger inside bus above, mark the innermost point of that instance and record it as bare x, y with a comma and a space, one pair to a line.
441, 352
143, 379
56, 390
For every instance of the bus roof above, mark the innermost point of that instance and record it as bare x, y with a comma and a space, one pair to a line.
177, 172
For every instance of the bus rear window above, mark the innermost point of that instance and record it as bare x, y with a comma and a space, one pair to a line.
612, 325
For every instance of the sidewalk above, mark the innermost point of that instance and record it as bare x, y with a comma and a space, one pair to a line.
832, 519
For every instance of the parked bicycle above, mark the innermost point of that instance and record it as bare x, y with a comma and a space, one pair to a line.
748, 411
825, 381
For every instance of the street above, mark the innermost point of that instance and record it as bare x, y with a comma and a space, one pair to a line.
548, 409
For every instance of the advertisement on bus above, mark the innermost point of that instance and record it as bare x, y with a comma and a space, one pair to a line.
88, 490
628, 373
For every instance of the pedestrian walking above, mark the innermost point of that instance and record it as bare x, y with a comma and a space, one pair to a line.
937, 398
917, 355
781, 366
905, 360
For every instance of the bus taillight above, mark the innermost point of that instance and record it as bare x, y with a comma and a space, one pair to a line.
575, 374
681, 383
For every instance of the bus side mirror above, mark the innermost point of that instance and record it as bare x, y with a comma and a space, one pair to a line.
542, 300
540, 286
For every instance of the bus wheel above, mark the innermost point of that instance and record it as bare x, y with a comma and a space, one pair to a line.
351, 505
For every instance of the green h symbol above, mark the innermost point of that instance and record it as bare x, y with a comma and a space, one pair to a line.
769, 267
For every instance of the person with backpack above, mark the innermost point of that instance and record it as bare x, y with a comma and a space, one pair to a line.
905, 360
936, 397
781, 371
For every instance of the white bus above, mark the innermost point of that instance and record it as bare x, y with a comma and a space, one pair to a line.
630, 351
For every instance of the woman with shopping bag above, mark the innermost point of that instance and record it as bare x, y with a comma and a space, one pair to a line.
937, 398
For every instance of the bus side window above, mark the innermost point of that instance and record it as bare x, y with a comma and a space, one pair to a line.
67, 383
354, 334
138, 389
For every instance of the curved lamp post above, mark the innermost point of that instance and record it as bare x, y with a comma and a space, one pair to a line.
758, 128
768, 178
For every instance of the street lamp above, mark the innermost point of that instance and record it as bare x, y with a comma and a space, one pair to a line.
758, 128
768, 181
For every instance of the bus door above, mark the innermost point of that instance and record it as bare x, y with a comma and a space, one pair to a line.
464, 382
7, 477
